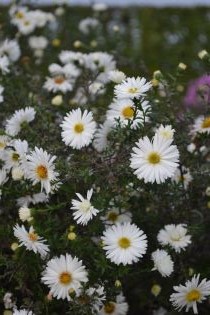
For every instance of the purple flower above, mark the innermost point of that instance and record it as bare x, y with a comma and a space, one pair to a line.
198, 92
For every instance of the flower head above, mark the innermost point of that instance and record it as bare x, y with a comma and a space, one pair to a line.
83, 209
78, 128
190, 294
154, 161
64, 274
174, 235
124, 243
31, 240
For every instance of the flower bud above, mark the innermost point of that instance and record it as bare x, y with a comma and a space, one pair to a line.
57, 100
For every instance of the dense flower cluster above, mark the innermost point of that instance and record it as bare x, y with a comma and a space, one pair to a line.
103, 177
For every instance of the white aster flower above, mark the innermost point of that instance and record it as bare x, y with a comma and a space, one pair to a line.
201, 125
1, 93
100, 141
17, 173
115, 216
3, 177
119, 307
124, 243
8, 300
11, 49
174, 235
25, 214
63, 275
78, 128
183, 177
22, 312
154, 161
84, 211
165, 131
38, 42
40, 168
87, 25
31, 240
68, 56
163, 262
4, 141
132, 88
18, 119
116, 76
124, 111
58, 83
4, 64
190, 294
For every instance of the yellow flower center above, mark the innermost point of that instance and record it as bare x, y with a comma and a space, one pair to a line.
128, 112
112, 216
15, 157
133, 90
65, 278
193, 295
206, 123
59, 79
176, 238
79, 128
154, 158
26, 23
33, 236
2, 145
124, 242
109, 308
42, 172
19, 15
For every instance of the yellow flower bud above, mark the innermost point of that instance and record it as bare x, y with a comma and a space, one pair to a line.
56, 42
156, 289
57, 100
72, 236
14, 246
77, 44
182, 66
203, 54
118, 283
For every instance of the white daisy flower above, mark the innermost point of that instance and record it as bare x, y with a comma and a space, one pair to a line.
116, 76
25, 214
78, 128
124, 111
22, 312
165, 131
124, 243
119, 307
31, 240
1, 93
174, 235
183, 177
163, 262
201, 125
100, 62
67, 56
154, 161
87, 25
100, 141
18, 119
3, 177
64, 275
4, 64
58, 83
40, 168
94, 296
115, 216
190, 294
83, 209
132, 88
11, 49
4, 141
37, 42
15, 157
